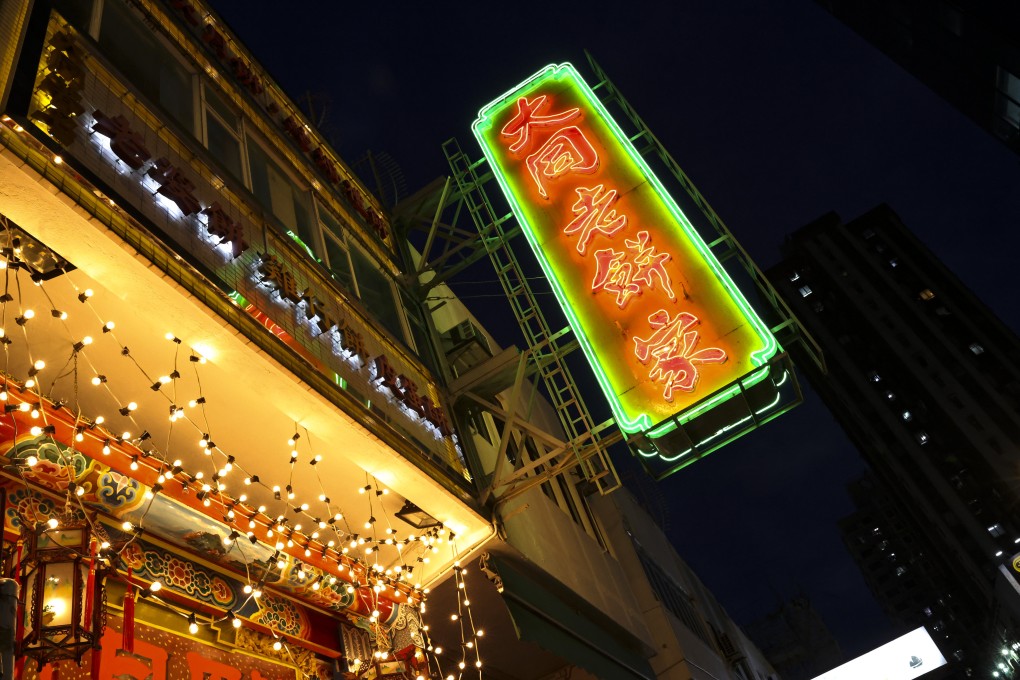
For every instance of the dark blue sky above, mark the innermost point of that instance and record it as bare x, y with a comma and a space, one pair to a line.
779, 114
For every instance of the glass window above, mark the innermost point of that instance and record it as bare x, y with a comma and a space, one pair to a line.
225, 147
78, 13
977, 348
376, 292
804, 291
339, 263
927, 294
1008, 100
276, 192
136, 51
419, 331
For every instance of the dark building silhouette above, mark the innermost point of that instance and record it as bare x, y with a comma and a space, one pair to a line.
925, 380
968, 52
796, 641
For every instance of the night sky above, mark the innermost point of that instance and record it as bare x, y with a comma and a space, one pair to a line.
779, 114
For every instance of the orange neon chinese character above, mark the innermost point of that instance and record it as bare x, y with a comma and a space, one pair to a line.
672, 346
617, 274
566, 151
519, 127
594, 215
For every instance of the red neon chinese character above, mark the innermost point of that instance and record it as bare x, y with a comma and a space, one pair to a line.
175, 186
125, 142
616, 274
218, 223
672, 346
519, 127
566, 151
594, 215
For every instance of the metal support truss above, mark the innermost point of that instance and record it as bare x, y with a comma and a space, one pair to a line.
788, 330
547, 349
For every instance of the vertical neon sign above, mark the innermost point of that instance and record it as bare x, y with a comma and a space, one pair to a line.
659, 319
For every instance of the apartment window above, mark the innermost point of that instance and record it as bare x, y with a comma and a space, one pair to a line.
907, 416
926, 294
976, 348
804, 291
275, 190
922, 438
901, 570
223, 134
1007, 100
795, 276
376, 292
139, 54
996, 530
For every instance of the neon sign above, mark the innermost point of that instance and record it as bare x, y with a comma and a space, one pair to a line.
659, 319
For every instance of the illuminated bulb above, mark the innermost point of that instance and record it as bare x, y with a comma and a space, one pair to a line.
256, 593
478, 664
80, 491
247, 588
236, 623
52, 522
29, 314
109, 326
35, 413
132, 406
97, 380
439, 650
169, 336
453, 617
79, 437
35, 431
480, 632
164, 379
277, 645
100, 420
32, 461
127, 526
58, 160
155, 586
193, 627
30, 383
106, 449
134, 465
87, 340
39, 365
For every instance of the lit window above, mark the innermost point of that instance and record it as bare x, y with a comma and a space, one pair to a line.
868, 233
907, 416
890, 396
976, 348
1007, 100
901, 570
926, 294
794, 276
922, 438
804, 291
927, 611
874, 376
996, 530
894, 262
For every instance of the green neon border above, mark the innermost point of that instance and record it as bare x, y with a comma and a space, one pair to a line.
643, 422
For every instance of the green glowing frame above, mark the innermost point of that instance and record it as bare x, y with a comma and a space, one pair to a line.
642, 423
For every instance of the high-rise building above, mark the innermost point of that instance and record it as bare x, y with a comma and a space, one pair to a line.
967, 52
925, 380
796, 641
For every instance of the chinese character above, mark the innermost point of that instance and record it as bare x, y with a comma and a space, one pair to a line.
437, 416
411, 396
125, 142
566, 151
616, 274
519, 127
281, 279
351, 340
175, 186
672, 346
594, 215
388, 374
218, 223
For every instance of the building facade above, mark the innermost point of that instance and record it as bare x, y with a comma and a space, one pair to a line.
967, 52
923, 378
235, 442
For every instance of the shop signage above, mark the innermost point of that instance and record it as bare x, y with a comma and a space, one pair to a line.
658, 317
